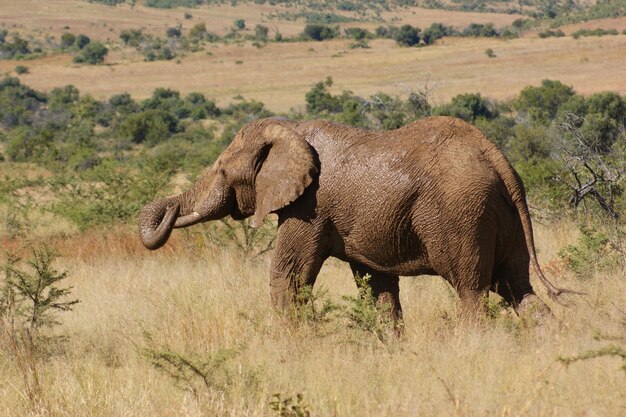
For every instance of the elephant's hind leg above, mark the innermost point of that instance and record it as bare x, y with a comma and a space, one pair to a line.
511, 282
385, 290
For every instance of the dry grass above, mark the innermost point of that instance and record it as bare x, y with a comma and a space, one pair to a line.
214, 299
105, 22
618, 23
279, 75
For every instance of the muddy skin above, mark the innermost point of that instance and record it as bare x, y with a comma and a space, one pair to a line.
433, 197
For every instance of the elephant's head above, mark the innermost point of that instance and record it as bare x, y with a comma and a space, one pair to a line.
267, 166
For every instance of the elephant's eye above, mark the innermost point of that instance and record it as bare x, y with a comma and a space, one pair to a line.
222, 172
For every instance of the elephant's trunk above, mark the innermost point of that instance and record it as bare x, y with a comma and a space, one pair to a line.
156, 221
207, 200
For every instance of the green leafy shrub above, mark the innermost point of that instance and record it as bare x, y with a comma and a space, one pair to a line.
480, 30
592, 253
14, 49
436, 31
319, 32
407, 36
29, 301
594, 32
314, 307
19, 104
541, 104
469, 107
363, 313
107, 194
30, 298
149, 126
551, 33
240, 24
319, 100
82, 41
93, 53
357, 33
21, 69
132, 37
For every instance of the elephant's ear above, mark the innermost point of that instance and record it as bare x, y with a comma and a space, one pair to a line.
287, 169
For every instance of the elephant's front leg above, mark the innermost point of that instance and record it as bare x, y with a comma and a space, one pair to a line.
297, 260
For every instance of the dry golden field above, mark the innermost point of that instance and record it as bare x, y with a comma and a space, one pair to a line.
209, 303
105, 22
280, 74
197, 300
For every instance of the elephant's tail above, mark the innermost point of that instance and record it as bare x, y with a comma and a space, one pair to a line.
516, 192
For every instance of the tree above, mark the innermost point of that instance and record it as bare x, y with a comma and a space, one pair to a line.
358, 34
82, 41
434, 32
541, 104
132, 37
318, 32
174, 32
407, 36
198, 31
240, 24
319, 100
94, 53
261, 32
67, 40
469, 107
150, 126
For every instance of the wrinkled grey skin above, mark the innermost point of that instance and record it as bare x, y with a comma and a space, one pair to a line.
434, 197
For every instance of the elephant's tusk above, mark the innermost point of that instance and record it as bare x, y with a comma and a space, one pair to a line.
187, 220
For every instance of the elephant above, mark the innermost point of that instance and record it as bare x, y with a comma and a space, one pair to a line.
435, 197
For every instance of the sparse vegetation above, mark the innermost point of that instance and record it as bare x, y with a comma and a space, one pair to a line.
76, 163
91, 53
594, 32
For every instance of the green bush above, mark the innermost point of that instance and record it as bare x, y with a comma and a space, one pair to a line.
594, 32
552, 33
357, 33
592, 253
149, 126
21, 69
132, 37
407, 36
30, 300
107, 194
541, 104
31, 145
16, 48
82, 41
318, 32
240, 24
480, 30
93, 53
67, 40
19, 104
436, 31
469, 107
319, 100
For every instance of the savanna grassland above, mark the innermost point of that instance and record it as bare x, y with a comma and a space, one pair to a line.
188, 330
279, 74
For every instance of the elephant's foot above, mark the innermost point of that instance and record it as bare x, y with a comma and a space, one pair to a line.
533, 311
